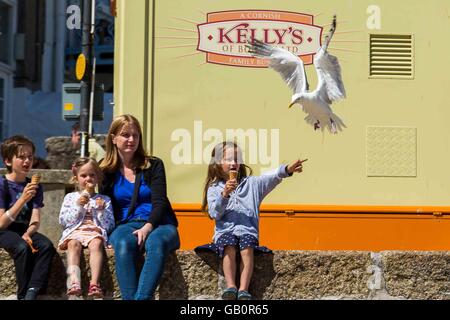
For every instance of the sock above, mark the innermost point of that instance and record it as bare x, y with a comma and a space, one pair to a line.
73, 275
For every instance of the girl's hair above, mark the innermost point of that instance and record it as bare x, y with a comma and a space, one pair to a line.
215, 171
78, 163
111, 161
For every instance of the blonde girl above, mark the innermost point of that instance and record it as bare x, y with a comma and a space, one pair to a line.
87, 218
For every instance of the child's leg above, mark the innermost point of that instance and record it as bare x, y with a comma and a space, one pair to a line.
74, 248
42, 262
246, 268
96, 259
21, 253
229, 266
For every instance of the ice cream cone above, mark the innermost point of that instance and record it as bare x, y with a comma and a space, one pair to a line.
233, 174
90, 188
35, 179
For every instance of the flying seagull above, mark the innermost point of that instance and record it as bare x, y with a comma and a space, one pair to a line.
330, 87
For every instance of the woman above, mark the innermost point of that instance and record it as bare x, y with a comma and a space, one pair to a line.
136, 184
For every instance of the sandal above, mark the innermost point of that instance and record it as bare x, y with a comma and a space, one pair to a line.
95, 291
229, 294
244, 295
74, 290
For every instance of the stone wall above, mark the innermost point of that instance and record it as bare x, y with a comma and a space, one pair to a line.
281, 275
61, 153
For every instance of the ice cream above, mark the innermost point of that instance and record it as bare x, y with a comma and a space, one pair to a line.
90, 188
35, 179
233, 174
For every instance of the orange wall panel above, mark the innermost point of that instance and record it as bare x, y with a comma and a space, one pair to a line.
333, 230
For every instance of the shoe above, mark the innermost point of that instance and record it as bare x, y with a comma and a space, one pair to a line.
229, 294
74, 290
31, 294
244, 295
95, 291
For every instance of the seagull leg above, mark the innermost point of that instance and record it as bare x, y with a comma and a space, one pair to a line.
317, 125
333, 126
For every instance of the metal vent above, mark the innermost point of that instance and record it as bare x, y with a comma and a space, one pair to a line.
391, 56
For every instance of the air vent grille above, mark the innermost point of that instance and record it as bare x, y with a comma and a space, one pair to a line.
391, 56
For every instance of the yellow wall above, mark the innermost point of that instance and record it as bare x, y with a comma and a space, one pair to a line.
132, 69
181, 89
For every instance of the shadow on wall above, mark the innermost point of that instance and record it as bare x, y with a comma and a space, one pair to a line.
173, 282
263, 271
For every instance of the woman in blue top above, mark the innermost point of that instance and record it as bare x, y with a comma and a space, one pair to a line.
136, 184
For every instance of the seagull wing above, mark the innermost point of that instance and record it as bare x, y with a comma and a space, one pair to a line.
288, 65
330, 85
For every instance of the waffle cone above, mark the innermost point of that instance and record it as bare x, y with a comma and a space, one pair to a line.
35, 178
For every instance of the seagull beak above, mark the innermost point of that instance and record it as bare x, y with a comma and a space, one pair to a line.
290, 106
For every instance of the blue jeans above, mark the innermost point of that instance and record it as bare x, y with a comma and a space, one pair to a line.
159, 243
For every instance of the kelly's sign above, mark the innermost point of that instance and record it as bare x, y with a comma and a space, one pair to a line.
224, 36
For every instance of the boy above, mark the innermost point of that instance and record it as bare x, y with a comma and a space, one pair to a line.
20, 205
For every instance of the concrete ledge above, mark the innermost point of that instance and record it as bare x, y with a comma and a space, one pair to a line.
283, 275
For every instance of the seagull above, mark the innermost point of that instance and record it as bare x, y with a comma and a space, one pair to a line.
330, 87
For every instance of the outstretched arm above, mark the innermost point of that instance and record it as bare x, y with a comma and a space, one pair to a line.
296, 166
267, 182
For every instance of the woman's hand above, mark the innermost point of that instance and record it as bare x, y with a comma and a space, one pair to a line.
296, 166
230, 186
142, 233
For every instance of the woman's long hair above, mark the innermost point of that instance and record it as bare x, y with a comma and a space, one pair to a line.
215, 171
112, 162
